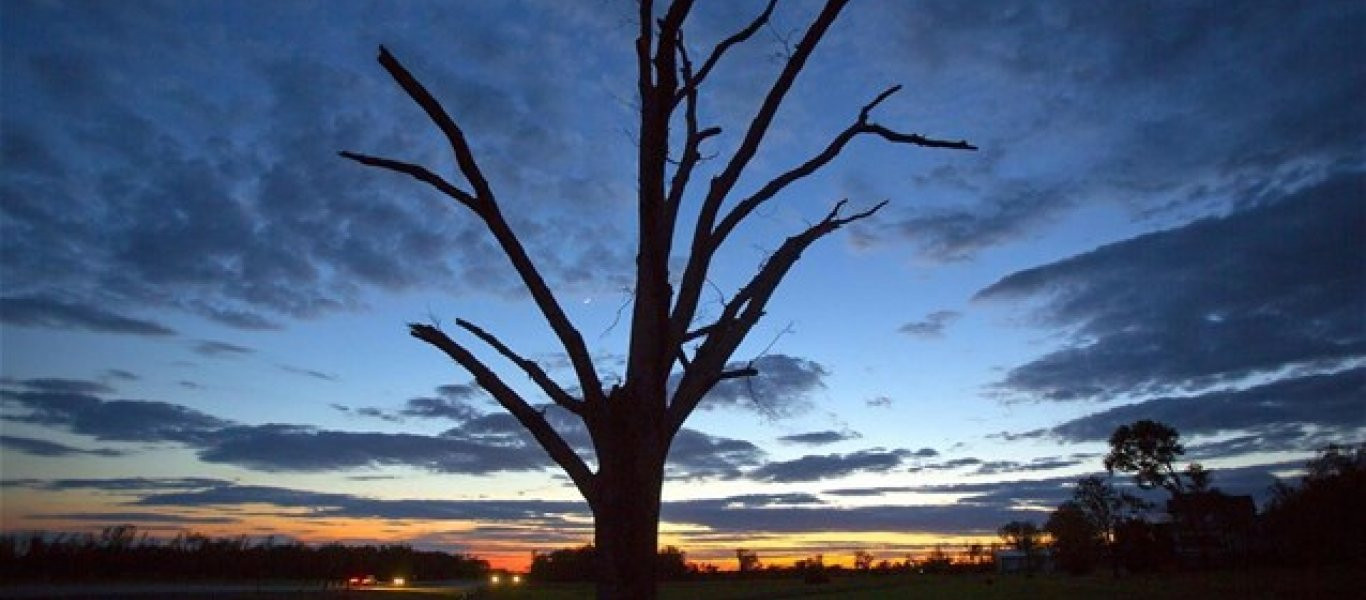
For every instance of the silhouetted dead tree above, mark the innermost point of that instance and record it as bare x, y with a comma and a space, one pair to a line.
633, 423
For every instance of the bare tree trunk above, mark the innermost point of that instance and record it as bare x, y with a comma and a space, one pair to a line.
626, 534
626, 505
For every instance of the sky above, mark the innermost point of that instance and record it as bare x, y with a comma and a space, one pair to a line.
203, 308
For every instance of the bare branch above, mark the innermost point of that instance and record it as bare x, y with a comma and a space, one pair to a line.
746, 308
568, 335
418, 172
868, 108
463, 156
832, 150
917, 139
533, 370
699, 264
483, 203
691, 144
703, 246
748, 371
721, 48
530, 418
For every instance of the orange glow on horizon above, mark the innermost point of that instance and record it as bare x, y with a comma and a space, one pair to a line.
22, 512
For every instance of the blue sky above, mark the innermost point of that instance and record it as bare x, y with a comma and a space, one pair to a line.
203, 308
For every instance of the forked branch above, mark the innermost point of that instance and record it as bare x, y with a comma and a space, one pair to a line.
691, 85
744, 310
704, 249
703, 246
463, 156
483, 203
530, 418
418, 172
533, 370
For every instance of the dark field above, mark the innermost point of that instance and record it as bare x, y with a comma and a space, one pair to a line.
1267, 584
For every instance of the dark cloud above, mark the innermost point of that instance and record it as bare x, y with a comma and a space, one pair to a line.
997, 467
297, 448
376, 413
135, 517
308, 372
482, 445
1270, 438
879, 402
44, 311
460, 391
813, 467
216, 348
120, 485
960, 233
39, 447
58, 385
503, 429
331, 505
1276, 285
115, 420
932, 326
443, 407
1328, 403
948, 518
696, 455
121, 375
219, 193
780, 390
956, 463
1193, 132
820, 438
869, 492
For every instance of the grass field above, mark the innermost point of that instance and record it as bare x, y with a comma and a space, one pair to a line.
1269, 584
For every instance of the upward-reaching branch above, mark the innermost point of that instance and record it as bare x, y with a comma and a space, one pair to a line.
463, 156
533, 370
530, 418
743, 312
699, 264
484, 204
721, 48
700, 253
861, 126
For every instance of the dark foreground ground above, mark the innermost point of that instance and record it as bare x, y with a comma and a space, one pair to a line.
1278, 584
238, 591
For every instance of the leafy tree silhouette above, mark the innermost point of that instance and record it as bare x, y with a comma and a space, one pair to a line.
1320, 521
633, 422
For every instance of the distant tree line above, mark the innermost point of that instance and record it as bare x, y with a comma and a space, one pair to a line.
581, 563
578, 564
120, 553
1318, 522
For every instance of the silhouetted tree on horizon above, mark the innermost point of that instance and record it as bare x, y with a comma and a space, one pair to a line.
1023, 536
747, 561
1077, 542
632, 423
1106, 508
1321, 521
1149, 449
118, 552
